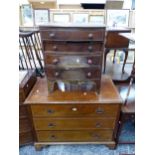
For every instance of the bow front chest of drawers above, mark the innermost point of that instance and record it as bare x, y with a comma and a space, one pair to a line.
74, 117
73, 56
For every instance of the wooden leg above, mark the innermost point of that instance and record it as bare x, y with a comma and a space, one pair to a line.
105, 56
38, 147
126, 56
111, 146
114, 55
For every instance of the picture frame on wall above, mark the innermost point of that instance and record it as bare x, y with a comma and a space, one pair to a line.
80, 17
61, 17
41, 16
96, 19
118, 18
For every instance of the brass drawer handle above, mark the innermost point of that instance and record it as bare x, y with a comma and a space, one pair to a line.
50, 111
55, 61
53, 137
90, 48
74, 109
52, 35
55, 47
90, 61
99, 111
90, 35
98, 125
96, 136
51, 125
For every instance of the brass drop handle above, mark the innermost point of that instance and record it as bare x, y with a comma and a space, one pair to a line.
90, 61
53, 137
98, 125
55, 47
90, 48
90, 35
50, 111
56, 74
99, 111
52, 35
55, 61
51, 125
74, 109
89, 74
96, 136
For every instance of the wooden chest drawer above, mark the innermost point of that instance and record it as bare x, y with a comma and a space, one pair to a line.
78, 74
71, 110
73, 34
74, 60
25, 138
24, 125
73, 123
74, 136
73, 46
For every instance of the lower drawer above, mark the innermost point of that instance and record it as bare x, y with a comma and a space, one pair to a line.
74, 136
25, 138
73, 123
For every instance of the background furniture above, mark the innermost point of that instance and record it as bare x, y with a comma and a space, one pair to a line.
73, 56
115, 42
27, 81
75, 117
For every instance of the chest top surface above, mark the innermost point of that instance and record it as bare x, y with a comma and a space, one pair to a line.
40, 95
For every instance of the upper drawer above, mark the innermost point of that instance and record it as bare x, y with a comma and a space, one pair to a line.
74, 60
71, 110
73, 34
73, 46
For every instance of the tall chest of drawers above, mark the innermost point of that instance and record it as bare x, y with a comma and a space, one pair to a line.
73, 56
75, 117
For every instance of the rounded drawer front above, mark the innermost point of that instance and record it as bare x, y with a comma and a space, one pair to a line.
73, 123
75, 61
73, 47
77, 74
74, 136
72, 110
73, 34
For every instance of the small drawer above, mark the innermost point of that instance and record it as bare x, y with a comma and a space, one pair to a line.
79, 61
71, 110
24, 125
73, 123
25, 138
73, 34
79, 47
72, 74
74, 136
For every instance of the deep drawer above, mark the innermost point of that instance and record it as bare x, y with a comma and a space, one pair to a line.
71, 110
72, 60
73, 47
73, 123
74, 136
73, 74
73, 34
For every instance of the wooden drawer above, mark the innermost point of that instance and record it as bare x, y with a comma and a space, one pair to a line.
74, 60
74, 136
24, 125
73, 34
78, 74
23, 112
71, 110
73, 46
25, 138
73, 123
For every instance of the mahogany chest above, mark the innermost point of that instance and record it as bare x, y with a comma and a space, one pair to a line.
73, 56
74, 117
27, 80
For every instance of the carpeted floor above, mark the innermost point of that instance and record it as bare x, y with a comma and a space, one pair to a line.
127, 134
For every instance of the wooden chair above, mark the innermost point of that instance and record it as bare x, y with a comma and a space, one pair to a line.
116, 42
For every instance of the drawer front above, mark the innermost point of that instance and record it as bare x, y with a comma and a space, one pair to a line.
23, 112
74, 60
56, 34
73, 74
73, 123
25, 138
74, 136
24, 125
73, 47
71, 110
